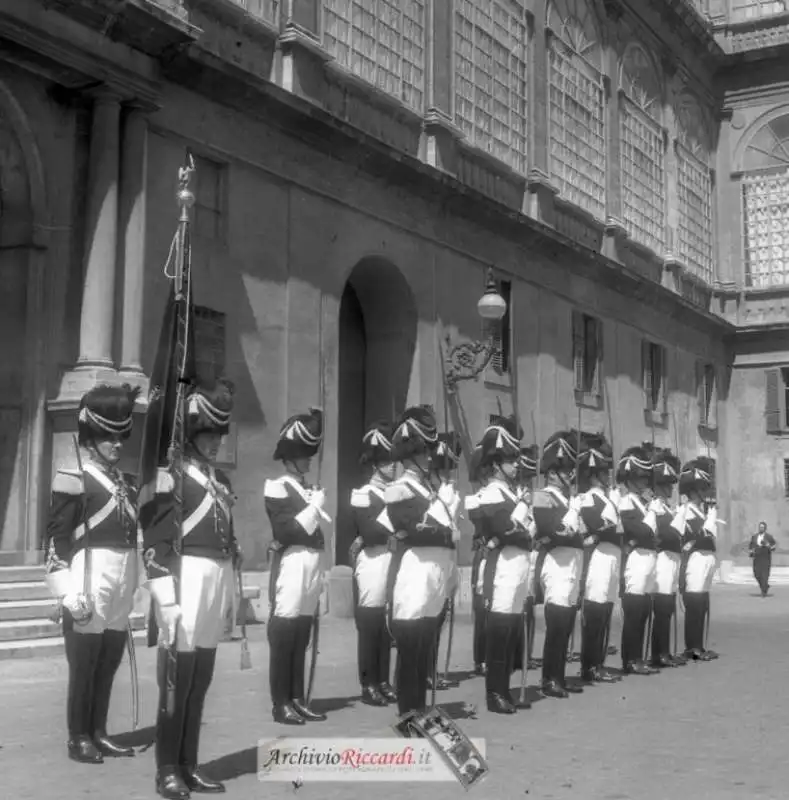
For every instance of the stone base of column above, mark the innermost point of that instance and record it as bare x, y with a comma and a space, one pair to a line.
77, 381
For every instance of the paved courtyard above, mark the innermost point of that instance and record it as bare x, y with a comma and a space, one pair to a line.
715, 730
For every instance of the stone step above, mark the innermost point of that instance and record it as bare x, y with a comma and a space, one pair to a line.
22, 574
47, 646
26, 609
42, 628
24, 591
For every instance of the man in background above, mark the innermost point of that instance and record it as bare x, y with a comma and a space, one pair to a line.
760, 550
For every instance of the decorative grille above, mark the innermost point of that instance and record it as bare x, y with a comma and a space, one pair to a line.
381, 41
491, 95
643, 177
577, 128
694, 188
766, 228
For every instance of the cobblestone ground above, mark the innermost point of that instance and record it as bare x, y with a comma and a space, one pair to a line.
714, 730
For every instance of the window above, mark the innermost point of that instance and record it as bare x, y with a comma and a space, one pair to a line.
653, 367
743, 10
262, 9
381, 41
587, 354
576, 106
642, 150
491, 97
776, 412
209, 335
694, 190
707, 394
765, 189
209, 198
499, 333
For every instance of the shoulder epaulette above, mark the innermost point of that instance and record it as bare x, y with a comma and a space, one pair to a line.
165, 484
275, 489
397, 493
68, 481
360, 498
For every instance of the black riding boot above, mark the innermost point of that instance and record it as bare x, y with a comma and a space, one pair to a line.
82, 654
112, 646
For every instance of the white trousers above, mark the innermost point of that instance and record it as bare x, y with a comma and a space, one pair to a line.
640, 571
114, 578
561, 576
299, 583
205, 596
602, 579
372, 568
420, 589
699, 572
511, 581
667, 572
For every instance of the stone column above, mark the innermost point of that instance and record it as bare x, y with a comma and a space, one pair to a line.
98, 298
132, 234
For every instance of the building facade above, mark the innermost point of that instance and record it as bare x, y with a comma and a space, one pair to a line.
360, 166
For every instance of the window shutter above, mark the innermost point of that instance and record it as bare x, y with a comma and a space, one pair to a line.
701, 393
772, 411
646, 372
578, 350
712, 394
598, 371
662, 370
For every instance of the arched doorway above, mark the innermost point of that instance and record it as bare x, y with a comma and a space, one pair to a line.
378, 327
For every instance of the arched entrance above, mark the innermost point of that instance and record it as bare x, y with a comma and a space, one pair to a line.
378, 328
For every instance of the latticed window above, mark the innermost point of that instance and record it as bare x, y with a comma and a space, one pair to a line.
491, 96
576, 105
765, 188
754, 9
642, 150
694, 191
262, 9
381, 41
210, 335
707, 394
587, 354
653, 371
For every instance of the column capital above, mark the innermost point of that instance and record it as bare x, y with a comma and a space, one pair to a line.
104, 95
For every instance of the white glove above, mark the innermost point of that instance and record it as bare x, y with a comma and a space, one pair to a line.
318, 498
521, 515
651, 520
571, 522
168, 621
78, 605
711, 523
446, 493
576, 502
656, 506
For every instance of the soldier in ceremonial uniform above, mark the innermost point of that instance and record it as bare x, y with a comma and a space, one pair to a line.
92, 566
697, 482
423, 560
479, 476
558, 526
665, 469
192, 588
443, 463
370, 558
508, 522
295, 510
601, 584
639, 557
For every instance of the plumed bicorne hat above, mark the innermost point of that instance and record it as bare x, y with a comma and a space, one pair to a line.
596, 454
527, 463
106, 411
447, 452
666, 466
208, 408
377, 444
698, 474
300, 436
559, 453
636, 462
501, 440
415, 433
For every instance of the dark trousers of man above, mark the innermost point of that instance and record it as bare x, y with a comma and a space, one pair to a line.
663, 606
416, 641
480, 627
288, 639
440, 620
178, 732
635, 609
93, 659
593, 635
374, 646
695, 615
559, 624
504, 641
761, 571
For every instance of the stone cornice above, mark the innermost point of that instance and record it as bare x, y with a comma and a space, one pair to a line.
753, 39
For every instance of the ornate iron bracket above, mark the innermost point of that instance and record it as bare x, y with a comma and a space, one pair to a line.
465, 361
